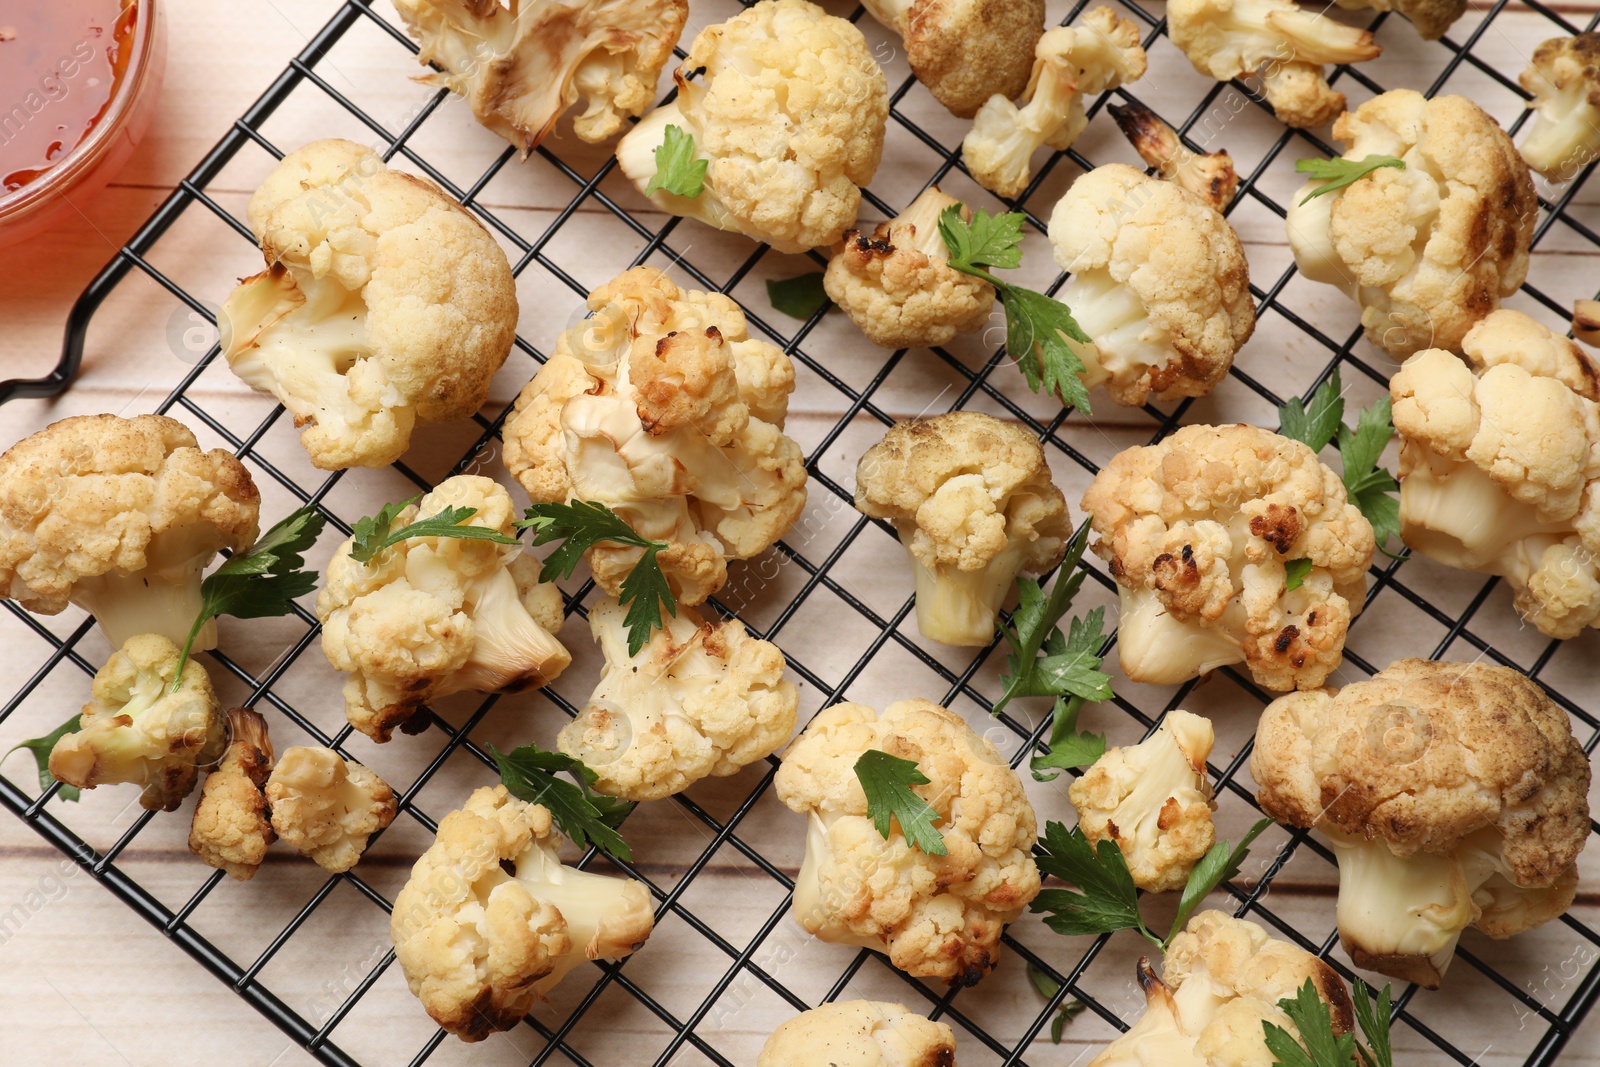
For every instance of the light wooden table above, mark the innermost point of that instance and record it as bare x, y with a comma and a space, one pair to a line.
83, 980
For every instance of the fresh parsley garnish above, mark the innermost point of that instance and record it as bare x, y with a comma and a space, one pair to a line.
887, 782
41, 746
260, 583
1219, 864
1294, 573
1370, 487
373, 535
1035, 323
1374, 1025
677, 171
1339, 173
580, 526
529, 773
800, 297
1048, 988
1315, 1023
1069, 747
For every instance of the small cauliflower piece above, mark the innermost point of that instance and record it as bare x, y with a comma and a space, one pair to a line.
1285, 43
966, 51
699, 699
1154, 800
521, 63
1069, 64
1197, 530
1430, 17
1500, 465
973, 501
120, 517
1428, 250
1159, 283
384, 303
789, 109
325, 806
897, 284
1208, 175
1454, 795
1564, 78
663, 408
479, 943
935, 916
136, 729
232, 824
859, 1033
1223, 979
433, 616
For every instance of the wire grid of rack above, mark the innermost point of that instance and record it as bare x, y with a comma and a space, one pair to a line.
1553, 1019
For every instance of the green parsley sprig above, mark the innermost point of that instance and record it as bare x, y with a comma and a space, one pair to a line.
677, 170
799, 297
41, 747
580, 526
1339, 173
1048, 988
1037, 326
374, 535
529, 773
1370, 487
887, 782
1322, 1048
1294, 573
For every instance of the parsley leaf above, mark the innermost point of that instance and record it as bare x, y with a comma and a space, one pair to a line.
260, 583
1374, 1025
1339, 173
41, 746
1069, 749
1048, 988
1219, 864
1369, 486
1319, 423
1295, 572
1315, 1023
887, 782
800, 297
373, 535
529, 773
1037, 326
677, 170
1071, 664
580, 526
1107, 899
1034, 623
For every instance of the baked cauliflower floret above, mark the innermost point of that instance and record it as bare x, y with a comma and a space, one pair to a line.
384, 303
896, 283
789, 110
1500, 465
1208, 175
935, 916
138, 728
120, 517
1430, 17
1427, 250
478, 943
1454, 795
325, 806
1069, 64
972, 499
1223, 978
664, 409
521, 63
1564, 79
232, 825
699, 699
859, 1033
1159, 283
1197, 530
1154, 800
1287, 44
432, 616
966, 51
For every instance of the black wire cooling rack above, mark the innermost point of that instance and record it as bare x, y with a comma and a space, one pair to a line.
1547, 1013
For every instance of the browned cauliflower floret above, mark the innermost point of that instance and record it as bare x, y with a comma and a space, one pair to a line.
1500, 465
1223, 979
1287, 44
1430, 17
1454, 795
232, 825
789, 109
1564, 79
522, 63
1159, 283
966, 51
859, 1033
1197, 530
935, 916
896, 284
478, 943
325, 806
120, 517
662, 408
385, 303
1427, 250
1154, 800
972, 499
1208, 175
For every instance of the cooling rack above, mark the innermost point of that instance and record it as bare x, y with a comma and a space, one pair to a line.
824, 581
